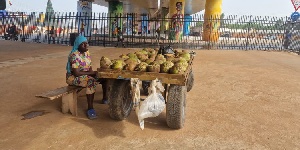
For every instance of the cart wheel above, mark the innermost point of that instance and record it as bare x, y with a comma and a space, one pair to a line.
120, 99
145, 86
176, 106
190, 81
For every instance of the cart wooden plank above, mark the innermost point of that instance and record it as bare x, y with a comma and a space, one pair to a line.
163, 77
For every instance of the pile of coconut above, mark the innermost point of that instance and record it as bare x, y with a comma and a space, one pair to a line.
148, 60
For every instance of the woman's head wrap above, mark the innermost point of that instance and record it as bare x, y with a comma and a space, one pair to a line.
79, 39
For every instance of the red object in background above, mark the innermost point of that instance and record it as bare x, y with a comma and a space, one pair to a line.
58, 30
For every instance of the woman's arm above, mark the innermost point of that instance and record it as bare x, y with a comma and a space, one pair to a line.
77, 72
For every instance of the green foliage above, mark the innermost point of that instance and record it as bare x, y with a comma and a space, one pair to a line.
49, 12
278, 25
199, 24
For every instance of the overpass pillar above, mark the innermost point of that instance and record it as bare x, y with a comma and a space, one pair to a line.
186, 25
115, 12
176, 13
213, 10
144, 24
164, 23
84, 13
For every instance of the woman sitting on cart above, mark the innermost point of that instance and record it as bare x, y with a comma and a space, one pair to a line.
80, 73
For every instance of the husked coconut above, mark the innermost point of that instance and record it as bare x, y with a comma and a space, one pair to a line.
130, 67
132, 60
153, 67
105, 62
142, 57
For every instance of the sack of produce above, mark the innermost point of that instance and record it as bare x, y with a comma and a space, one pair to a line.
153, 105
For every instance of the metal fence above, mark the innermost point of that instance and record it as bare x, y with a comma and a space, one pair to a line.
141, 30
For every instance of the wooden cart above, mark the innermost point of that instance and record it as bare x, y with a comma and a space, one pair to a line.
122, 92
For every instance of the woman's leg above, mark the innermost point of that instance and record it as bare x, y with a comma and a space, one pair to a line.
104, 89
103, 82
90, 100
85, 81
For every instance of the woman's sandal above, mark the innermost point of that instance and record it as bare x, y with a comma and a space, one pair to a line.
104, 101
91, 114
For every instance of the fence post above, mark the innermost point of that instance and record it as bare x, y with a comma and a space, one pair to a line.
103, 26
248, 31
23, 27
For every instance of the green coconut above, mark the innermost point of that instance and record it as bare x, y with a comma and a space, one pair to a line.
132, 55
182, 62
123, 56
165, 67
159, 57
177, 70
144, 51
170, 57
185, 55
118, 64
179, 67
148, 61
141, 67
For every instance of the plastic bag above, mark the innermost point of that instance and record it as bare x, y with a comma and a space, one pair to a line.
153, 105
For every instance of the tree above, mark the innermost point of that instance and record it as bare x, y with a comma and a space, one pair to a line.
222, 21
279, 25
199, 24
49, 12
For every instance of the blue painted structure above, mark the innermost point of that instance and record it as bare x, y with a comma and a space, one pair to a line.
186, 25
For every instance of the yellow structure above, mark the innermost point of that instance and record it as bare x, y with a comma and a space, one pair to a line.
176, 13
41, 17
213, 10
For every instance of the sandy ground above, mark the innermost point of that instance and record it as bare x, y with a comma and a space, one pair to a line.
240, 100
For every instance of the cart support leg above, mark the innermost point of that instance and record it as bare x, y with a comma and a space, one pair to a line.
165, 94
135, 91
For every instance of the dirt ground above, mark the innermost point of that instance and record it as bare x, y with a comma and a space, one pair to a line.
240, 100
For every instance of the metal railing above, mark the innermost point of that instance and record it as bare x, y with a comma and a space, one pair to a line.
140, 30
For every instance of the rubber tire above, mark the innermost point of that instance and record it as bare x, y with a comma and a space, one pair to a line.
175, 108
190, 82
120, 99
